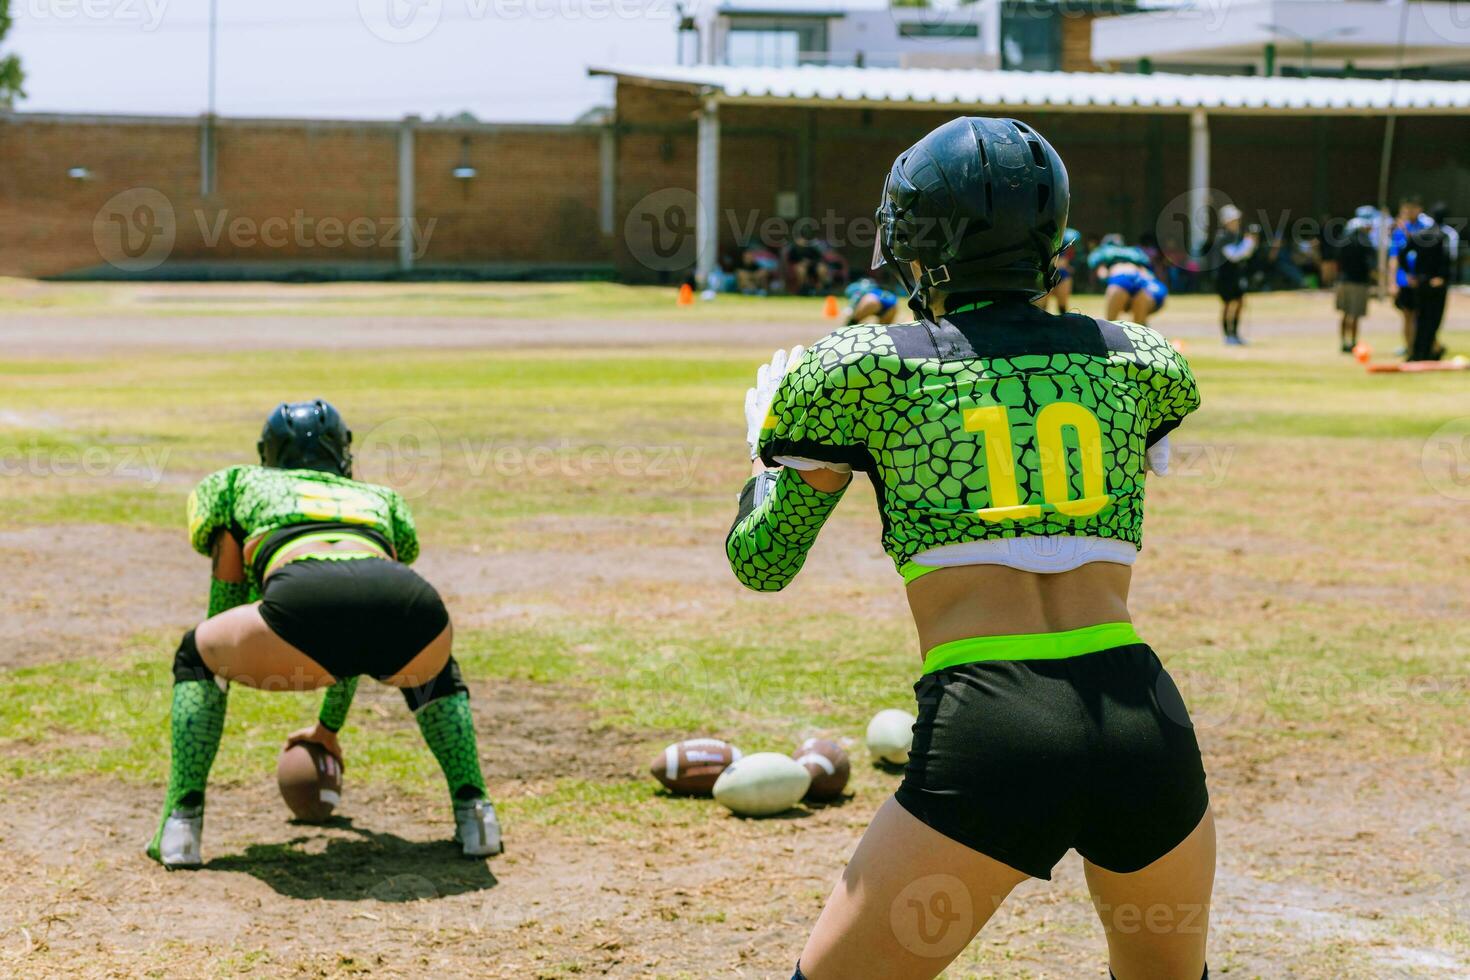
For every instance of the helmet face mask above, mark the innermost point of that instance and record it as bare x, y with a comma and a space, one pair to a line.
306, 436
981, 205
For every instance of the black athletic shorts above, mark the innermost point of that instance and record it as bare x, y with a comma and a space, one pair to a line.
1022, 760
356, 616
1230, 287
1406, 299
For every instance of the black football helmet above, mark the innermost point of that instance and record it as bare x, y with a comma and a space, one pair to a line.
981, 204
306, 436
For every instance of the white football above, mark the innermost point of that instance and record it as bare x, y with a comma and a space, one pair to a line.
762, 784
891, 735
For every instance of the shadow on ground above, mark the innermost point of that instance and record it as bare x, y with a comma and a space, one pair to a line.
369, 866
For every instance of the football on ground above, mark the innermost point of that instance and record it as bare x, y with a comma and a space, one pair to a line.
891, 735
691, 767
310, 779
828, 765
762, 785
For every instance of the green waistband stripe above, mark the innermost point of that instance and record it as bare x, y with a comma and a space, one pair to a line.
912, 570
1030, 646
371, 548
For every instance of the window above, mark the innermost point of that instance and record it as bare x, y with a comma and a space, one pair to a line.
1030, 37
763, 48
922, 30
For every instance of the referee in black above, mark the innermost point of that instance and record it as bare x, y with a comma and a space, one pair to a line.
1231, 252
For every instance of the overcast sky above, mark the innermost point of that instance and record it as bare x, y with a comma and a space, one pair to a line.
503, 60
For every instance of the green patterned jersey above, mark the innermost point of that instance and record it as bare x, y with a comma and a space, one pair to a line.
254, 502
1003, 421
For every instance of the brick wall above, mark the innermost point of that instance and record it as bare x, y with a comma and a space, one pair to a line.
327, 192
298, 192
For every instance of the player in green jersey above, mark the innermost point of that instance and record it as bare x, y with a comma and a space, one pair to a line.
310, 588
1009, 449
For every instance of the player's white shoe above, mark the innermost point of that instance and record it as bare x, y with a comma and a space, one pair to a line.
179, 844
477, 829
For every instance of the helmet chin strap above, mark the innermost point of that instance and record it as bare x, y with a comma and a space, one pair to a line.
918, 300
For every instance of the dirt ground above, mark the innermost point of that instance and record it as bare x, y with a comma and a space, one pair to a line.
1329, 867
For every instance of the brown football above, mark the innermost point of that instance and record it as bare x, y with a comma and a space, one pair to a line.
828, 763
310, 779
691, 767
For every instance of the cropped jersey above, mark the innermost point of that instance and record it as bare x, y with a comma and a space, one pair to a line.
267, 507
1002, 421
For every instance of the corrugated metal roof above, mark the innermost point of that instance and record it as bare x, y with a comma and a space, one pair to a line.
1073, 91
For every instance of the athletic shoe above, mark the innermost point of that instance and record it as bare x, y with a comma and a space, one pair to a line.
178, 841
477, 829
1233, 341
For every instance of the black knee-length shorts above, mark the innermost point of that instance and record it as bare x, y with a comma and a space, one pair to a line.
358, 616
1022, 760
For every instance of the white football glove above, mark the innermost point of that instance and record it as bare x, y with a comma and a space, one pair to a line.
1158, 457
758, 399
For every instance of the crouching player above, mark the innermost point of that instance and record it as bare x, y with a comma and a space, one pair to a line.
1132, 288
866, 300
311, 588
1008, 449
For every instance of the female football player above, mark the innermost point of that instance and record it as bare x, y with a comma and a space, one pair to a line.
311, 588
1008, 449
1062, 291
1132, 287
866, 300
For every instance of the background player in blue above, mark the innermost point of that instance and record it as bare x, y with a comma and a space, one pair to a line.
1132, 288
867, 301
1411, 220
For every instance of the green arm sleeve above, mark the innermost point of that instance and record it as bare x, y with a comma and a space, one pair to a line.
336, 702
405, 534
780, 515
1173, 393
227, 595
211, 507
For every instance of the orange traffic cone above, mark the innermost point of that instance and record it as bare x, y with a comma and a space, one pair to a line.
686, 295
830, 309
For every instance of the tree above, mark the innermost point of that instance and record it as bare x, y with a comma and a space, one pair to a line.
11, 76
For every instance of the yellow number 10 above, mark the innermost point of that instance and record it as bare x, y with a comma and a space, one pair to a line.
993, 422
